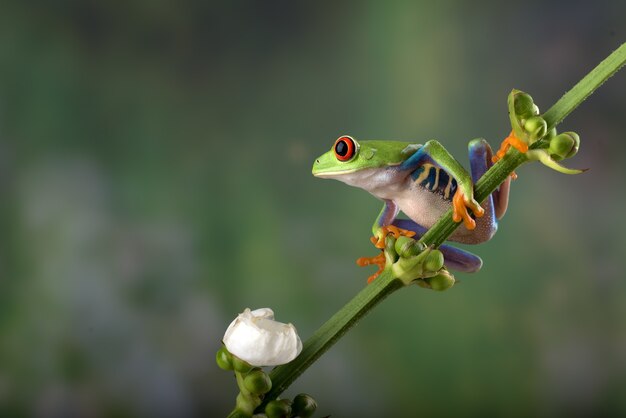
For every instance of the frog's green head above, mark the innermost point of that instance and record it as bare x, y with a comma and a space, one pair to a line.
349, 156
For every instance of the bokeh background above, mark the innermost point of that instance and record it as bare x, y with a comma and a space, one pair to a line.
155, 180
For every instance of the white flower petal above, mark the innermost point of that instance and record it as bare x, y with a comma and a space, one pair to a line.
255, 337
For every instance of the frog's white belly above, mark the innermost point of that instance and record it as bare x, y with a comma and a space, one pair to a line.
418, 203
426, 207
421, 205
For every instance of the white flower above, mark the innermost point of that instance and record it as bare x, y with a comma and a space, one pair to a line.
255, 337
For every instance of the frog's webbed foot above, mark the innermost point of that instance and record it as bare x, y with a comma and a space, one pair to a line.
379, 239
510, 141
410, 262
379, 260
460, 203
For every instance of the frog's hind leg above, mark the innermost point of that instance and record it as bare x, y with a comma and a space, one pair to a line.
480, 155
455, 258
460, 260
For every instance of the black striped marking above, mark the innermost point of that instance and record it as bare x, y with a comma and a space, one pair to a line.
435, 179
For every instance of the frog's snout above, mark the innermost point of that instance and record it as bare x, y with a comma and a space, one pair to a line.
315, 165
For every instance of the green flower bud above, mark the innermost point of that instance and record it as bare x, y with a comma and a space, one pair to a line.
240, 365
535, 110
536, 127
564, 145
550, 134
524, 106
303, 406
278, 408
239, 414
407, 247
425, 264
244, 406
224, 359
443, 281
257, 382
433, 261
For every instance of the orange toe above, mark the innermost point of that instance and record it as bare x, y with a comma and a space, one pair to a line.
390, 229
510, 141
460, 213
379, 260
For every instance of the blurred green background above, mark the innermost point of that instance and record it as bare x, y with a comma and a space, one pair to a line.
155, 180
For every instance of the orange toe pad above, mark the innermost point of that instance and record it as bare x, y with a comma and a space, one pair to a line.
386, 230
510, 141
378, 260
460, 212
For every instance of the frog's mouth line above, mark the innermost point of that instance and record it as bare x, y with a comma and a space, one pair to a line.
333, 173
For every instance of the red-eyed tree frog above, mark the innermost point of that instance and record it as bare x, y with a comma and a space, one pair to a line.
422, 181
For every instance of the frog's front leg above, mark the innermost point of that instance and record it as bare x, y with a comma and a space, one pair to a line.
382, 227
434, 152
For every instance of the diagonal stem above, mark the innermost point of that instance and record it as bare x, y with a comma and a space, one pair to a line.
439, 232
596, 77
371, 295
332, 330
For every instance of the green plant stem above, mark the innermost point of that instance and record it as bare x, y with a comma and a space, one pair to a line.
439, 232
594, 79
489, 182
385, 284
332, 330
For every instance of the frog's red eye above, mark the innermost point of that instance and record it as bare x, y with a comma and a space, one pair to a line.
345, 148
